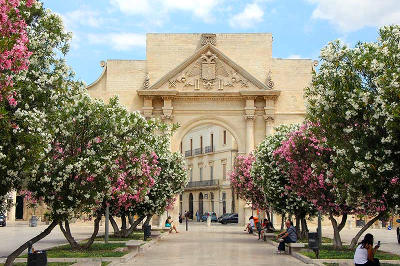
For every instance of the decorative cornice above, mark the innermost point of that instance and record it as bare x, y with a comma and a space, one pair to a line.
103, 64
208, 94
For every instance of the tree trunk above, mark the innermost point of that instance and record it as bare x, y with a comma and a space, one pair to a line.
148, 218
71, 240
133, 226
123, 221
268, 216
362, 230
114, 226
95, 231
18, 251
131, 219
304, 228
343, 222
68, 235
337, 241
283, 222
297, 217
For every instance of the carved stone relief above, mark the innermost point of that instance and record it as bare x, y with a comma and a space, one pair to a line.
208, 38
269, 82
208, 72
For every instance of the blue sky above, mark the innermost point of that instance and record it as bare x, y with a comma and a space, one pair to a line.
115, 29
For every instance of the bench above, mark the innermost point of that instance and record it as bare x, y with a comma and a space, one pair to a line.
269, 236
294, 247
155, 234
134, 245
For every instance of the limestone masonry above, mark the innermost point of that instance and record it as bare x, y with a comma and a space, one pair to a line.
226, 80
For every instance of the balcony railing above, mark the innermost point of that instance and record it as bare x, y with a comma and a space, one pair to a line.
209, 149
205, 183
188, 153
198, 151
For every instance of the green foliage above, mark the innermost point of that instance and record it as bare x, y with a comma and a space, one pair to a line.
266, 173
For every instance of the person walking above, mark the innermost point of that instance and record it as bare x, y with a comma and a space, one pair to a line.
197, 216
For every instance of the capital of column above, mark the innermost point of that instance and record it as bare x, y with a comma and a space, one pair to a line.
147, 106
269, 120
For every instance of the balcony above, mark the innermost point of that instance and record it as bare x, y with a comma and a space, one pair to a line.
209, 149
188, 153
202, 184
198, 151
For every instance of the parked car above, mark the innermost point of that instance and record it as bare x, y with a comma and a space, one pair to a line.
223, 215
2, 220
233, 218
212, 214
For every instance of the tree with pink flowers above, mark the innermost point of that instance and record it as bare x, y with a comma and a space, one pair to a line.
243, 183
14, 59
306, 159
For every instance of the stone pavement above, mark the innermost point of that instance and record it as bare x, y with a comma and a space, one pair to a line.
15, 234
217, 245
388, 238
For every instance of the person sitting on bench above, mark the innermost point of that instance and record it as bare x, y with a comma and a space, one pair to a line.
288, 236
170, 224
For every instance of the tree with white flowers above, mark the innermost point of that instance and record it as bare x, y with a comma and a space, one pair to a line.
355, 99
267, 173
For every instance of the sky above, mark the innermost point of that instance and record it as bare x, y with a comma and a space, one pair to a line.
116, 29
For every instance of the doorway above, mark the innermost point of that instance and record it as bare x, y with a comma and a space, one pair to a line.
201, 204
19, 208
191, 205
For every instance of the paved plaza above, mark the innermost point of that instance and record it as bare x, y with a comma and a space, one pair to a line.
15, 234
217, 245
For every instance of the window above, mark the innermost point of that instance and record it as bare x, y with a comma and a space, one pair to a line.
201, 173
201, 144
212, 142
191, 147
191, 174
224, 171
211, 172
224, 137
181, 147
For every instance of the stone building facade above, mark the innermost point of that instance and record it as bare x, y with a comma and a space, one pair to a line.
227, 80
210, 152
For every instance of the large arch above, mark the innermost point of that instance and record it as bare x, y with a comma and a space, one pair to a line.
208, 120
228, 80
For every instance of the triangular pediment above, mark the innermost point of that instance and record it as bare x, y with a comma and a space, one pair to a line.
208, 69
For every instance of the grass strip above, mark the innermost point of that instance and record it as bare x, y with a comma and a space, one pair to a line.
328, 252
133, 236
96, 250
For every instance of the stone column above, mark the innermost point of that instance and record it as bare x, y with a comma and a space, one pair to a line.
250, 110
148, 106
269, 116
167, 108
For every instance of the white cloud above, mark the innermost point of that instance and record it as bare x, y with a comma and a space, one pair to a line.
82, 16
294, 56
352, 15
119, 41
158, 8
251, 15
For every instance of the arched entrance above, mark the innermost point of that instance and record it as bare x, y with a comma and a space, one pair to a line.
228, 80
201, 204
191, 205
